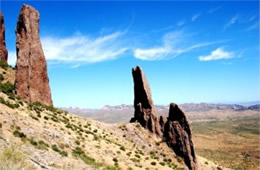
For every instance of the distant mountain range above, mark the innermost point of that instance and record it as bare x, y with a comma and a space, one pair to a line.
195, 111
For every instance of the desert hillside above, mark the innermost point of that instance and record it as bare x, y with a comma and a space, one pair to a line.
35, 136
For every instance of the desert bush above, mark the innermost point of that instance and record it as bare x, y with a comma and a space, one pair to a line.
111, 168
115, 160
19, 134
55, 148
122, 148
33, 142
7, 103
153, 163
1, 77
78, 153
3, 64
162, 163
77, 142
7, 87
42, 145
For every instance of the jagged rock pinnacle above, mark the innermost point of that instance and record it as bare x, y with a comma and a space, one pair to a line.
32, 82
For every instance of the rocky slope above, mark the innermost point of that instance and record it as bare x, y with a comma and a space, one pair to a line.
37, 136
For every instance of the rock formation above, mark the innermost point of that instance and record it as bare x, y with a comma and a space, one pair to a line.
143, 103
3, 50
177, 133
175, 130
32, 82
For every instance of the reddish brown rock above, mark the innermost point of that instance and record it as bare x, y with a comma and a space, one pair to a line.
177, 133
162, 122
3, 50
143, 103
32, 82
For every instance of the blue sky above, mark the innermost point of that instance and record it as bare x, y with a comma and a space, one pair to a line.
190, 51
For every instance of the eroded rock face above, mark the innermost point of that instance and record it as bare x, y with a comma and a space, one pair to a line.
3, 50
32, 82
177, 132
143, 103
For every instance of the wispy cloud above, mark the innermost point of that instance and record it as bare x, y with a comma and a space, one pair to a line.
232, 21
80, 49
253, 27
217, 54
195, 17
180, 23
174, 44
212, 10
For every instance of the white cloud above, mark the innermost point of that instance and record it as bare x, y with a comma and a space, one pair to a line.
217, 54
232, 21
195, 17
214, 10
11, 58
80, 49
174, 44
180, 23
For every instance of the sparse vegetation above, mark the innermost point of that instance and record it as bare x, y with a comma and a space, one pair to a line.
3, 64
12, 158
78, 153
61, 152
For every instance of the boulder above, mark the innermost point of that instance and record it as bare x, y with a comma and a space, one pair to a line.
32, 82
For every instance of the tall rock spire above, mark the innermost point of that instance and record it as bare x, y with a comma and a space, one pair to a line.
3, 50
32, 82
143, 103
177, 133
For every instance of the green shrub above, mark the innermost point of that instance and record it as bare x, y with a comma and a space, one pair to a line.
63, 153
115, 160
111, 168
33, 142
3, 64
122, 148
1, 77
42, 145
162, 163
7, 88
78, 153
7, 103
19, 134
77, 142
153, 163
55, 148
